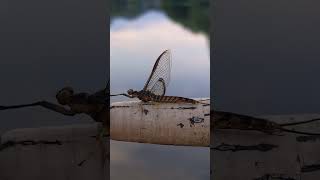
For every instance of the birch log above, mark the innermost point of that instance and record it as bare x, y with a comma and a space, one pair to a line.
161, 123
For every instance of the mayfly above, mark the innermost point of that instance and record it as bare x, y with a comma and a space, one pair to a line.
157, 83
228, 120
95, 105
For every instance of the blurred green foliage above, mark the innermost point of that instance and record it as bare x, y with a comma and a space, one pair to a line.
192, 14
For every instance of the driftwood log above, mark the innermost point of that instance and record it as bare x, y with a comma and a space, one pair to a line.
161, 123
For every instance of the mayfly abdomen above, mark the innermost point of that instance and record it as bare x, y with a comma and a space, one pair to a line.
173, 99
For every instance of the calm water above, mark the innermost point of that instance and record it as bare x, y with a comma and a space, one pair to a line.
135, 43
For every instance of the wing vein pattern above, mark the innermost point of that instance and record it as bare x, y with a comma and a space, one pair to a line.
160, 76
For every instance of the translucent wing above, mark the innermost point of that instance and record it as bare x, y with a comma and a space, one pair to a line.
160, 76
159, 88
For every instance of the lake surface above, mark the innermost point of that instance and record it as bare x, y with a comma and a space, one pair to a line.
137, 38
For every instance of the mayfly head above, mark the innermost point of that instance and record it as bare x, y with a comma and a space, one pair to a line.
64, 95
132, 93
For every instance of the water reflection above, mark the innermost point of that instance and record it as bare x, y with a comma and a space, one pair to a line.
137, 38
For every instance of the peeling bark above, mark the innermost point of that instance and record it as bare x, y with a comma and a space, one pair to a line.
181, 125
195, 120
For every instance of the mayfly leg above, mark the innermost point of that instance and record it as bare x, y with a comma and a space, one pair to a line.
122, 94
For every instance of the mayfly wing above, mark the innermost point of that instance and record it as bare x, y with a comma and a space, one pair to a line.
160, 75
159, 88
